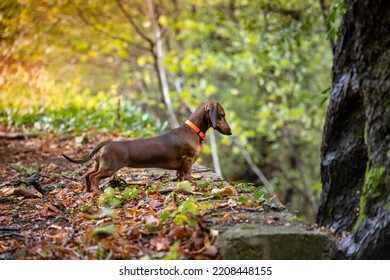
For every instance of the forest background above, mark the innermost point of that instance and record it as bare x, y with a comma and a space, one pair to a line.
139, 67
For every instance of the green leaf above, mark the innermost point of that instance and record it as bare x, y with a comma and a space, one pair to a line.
130, 192
181, 219
165, 215
259, 195
104, 231
108, 192
173, 252
24, 170
185, 185
332, 34
108, 212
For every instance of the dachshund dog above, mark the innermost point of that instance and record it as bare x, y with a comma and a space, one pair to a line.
177, 149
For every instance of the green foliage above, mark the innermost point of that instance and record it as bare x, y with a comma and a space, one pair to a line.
71, 110
24, 170
173, 252
130, 192
165, 216
111, 197
104, 231
371, 189
188, 211
114, 197
185, 185
336, 13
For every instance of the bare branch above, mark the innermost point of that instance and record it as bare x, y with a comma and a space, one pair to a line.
134, 24
255, 169
307, 192
109, 34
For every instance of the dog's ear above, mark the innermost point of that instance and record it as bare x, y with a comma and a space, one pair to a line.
213, 113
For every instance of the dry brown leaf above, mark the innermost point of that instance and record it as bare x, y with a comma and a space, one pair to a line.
180, 232
27, 191
226, 217
226, 191
160, 244
55, 226
151, 220
7, 191
52, 208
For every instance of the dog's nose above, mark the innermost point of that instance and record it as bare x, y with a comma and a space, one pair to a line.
229, 132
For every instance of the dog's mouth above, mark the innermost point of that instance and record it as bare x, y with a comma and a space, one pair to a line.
225, 132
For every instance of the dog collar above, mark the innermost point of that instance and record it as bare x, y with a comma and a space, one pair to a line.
196, 129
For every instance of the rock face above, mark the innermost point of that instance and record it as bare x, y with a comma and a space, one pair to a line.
259, 242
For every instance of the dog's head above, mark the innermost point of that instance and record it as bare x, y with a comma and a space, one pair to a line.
216, 115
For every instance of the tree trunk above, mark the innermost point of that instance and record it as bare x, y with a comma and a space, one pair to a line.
355, 152
158, 57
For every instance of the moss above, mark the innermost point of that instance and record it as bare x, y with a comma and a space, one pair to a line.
371, 190
373, 179
248, 227
331, 205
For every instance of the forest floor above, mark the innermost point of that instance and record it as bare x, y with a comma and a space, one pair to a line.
45, 212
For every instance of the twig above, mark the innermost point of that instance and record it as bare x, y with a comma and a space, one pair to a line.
11, 233
206, 198
17, 136
133, 23
308, 194
255, 169
72, 233
169, 190
8, 227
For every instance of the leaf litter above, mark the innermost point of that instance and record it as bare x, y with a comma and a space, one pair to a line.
45, 212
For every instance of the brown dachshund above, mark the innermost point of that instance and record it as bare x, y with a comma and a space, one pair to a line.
177, 149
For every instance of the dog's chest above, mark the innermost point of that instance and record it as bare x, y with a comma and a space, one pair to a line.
198, 151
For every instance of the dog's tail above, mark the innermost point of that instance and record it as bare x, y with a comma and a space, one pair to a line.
88, 157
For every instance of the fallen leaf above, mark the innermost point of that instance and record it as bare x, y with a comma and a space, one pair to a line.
151, 220
52, 208
226, 217
226, 191
180, 232
55, 226
103, 231
196, 176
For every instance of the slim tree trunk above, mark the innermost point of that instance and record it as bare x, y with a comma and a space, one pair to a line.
355, 152
158, 57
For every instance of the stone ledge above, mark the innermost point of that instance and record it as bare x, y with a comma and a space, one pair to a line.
274, 242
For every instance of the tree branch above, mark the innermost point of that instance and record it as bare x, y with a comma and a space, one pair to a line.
134, 24
109, 34
255, 169
306, 191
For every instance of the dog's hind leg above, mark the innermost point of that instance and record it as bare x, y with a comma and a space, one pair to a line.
87, 176
99, 175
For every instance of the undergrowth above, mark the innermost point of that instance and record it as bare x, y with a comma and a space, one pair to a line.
72, 110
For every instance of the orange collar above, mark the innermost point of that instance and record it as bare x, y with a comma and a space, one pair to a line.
196, 129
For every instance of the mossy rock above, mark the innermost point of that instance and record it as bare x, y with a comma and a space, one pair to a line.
274, 242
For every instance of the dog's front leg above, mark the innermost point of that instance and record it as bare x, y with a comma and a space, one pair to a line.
185, 172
